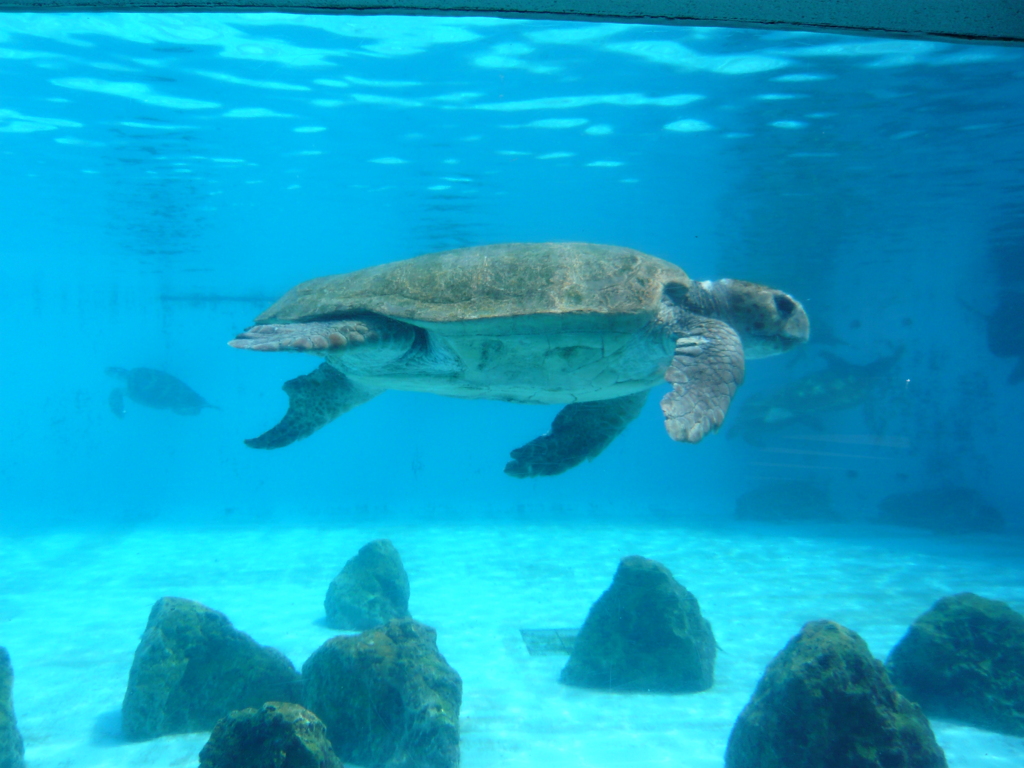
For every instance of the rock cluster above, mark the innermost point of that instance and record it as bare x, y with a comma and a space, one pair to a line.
384, 699
825, 702
192, 668
12, 749
645, 633
277, 735
387, 697
371, 589
964, 659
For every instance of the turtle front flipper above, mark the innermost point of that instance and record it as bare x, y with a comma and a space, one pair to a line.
705, 371
313, 401
580, 431
327, 335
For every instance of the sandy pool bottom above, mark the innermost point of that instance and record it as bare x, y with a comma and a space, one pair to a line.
73, 605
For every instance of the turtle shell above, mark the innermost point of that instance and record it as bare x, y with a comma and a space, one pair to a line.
489, 281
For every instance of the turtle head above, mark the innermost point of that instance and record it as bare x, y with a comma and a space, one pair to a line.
767, 320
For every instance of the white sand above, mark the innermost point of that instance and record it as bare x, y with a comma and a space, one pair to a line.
73, 606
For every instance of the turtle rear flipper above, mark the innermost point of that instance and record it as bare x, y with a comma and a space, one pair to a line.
314, 400
580, 431
705, 371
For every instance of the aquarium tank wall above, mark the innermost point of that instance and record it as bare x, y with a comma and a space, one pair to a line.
711, 370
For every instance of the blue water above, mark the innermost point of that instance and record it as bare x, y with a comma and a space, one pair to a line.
165, 177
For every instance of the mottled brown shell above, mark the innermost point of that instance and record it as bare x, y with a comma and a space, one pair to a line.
489, 281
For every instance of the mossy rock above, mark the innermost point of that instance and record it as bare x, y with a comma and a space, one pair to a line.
825, 702
192, 668
964, 659
12, 749
371, 589
387, 696
645, 633
277, 735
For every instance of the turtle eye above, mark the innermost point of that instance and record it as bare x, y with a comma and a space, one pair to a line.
784, 304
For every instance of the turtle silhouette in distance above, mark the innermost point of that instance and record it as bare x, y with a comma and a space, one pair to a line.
593, 327
154, 389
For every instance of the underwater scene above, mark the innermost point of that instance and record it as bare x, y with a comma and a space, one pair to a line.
416, 392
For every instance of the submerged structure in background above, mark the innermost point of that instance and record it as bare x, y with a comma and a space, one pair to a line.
805, 401
1006, 331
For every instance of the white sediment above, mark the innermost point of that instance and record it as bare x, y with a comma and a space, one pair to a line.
73, 606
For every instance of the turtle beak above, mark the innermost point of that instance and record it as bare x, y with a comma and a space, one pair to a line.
796, 328
789, 327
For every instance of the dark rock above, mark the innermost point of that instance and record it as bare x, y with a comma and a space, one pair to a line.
948, 510
645, 633
277, 735
12, 750
824, 702
371, 589
192, 668
387, 697
964, 659
785, 502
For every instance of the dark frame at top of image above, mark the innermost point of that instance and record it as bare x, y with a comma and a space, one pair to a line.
999, 22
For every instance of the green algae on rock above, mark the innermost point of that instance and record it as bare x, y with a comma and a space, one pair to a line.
963, 659
277, 735
192, 668
645, 633
387, 697
371, 589
825, 702
12, 749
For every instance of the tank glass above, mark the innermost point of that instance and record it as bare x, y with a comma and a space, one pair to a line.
165, 178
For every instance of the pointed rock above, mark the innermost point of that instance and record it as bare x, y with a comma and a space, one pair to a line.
645, 633
371, 589
825, 702
387, 697
192, 668
964, 659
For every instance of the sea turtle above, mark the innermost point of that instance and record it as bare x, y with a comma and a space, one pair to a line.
155, 389
592, 326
